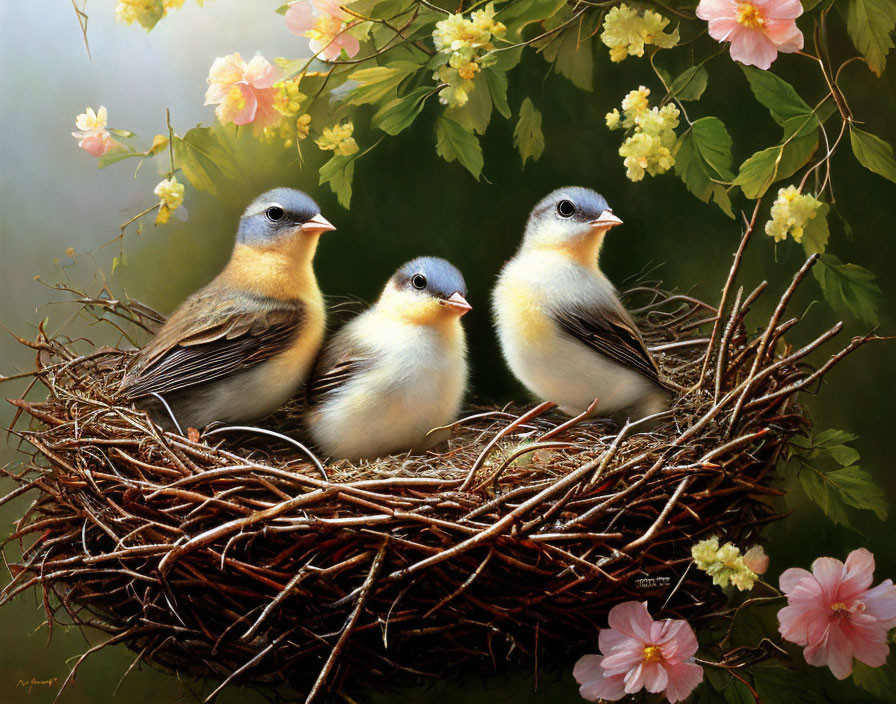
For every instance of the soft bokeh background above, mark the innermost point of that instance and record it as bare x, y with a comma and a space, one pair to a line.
407, 202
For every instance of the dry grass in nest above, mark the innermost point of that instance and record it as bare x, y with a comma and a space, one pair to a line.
235, 557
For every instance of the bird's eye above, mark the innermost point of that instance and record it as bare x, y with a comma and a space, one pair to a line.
275, 213
566, 208
418, 281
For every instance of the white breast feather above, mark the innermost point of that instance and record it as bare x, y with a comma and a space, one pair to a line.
416, 383
551, 363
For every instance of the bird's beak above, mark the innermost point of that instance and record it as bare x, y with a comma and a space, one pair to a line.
606, 220
318, 224
457, 303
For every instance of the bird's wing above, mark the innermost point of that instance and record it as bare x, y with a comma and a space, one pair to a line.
612, 333
340, 362
206, 340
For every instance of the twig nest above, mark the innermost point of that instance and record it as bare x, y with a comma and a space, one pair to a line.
231, 556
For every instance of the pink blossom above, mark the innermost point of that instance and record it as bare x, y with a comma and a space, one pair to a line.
833, 612
324, 23
638, 652
244, 92
757, 29
92, 133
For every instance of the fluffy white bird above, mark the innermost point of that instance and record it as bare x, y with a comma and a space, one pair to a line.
563, 331
396, 371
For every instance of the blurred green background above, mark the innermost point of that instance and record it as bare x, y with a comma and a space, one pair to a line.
407, 202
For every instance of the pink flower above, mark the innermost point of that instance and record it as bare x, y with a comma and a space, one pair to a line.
324, 23
638, 652
835, 615
243, 92
92, 133
757, 29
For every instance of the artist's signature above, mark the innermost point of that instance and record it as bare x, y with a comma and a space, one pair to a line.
34, 682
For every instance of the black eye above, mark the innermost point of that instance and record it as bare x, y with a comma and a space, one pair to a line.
566, 208
418, 281
274, 213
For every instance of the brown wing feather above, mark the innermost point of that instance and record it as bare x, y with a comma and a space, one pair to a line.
613, 334
333, 378
341, 361
208, 338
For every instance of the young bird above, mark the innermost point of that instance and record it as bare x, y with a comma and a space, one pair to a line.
563, 331
240, 347
396, 371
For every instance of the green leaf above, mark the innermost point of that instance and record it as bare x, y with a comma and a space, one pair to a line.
690, 84
765, 167
816, 233
338, 172
833, 490
378, 82
477, 111
848, 288
721, 198
518, 15
873, 153
497, 87
527, 135
455, 142
150, 14
574, 60
706, 694
776, 94
503, 59
870, 23
879, 681
571, 53
399, 113
736, 692
703, 155
282, 9
204, 159
777, 685
827, 438
753, 623
114, 156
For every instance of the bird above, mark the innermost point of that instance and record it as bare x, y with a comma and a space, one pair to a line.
563, 331
396, 371
240, 347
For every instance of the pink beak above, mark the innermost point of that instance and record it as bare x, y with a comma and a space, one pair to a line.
458, 304
606, 220
318, 224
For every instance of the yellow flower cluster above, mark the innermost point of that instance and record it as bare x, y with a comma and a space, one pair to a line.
303, 125
724, 564
288, 130
790, 213
171, 197
627, 32
338, 139
128, 11
464, 41
649, 147
288, 101
287, 97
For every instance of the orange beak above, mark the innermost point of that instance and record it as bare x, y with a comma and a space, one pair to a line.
606, 220
318, 224
457, 303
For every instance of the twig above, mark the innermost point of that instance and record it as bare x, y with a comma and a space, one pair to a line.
350, 624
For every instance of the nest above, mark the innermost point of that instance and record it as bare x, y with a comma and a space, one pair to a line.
237, 556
